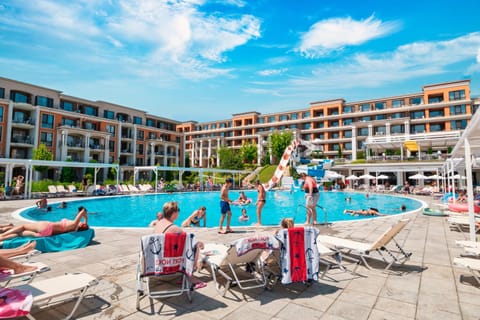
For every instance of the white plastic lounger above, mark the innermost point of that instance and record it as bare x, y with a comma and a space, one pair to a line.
225, 261
363, 249
71, 286
467, 243
335, 259
7, 280
471, 264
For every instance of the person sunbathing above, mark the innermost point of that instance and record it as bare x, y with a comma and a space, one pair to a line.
47, 228
366, 212
6, 226
6, 254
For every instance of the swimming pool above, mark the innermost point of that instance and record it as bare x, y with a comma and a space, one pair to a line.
140, 210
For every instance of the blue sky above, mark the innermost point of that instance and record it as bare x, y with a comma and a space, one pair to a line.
208, 59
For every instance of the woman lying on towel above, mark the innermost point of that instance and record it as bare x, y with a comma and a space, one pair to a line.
166, 225
47, 228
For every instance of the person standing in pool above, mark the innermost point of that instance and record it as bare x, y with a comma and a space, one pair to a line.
262, 197
225, 206
311, 197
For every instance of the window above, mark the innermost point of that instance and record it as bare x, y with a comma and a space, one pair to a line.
261, 120
111, 146
437, 127
306, 137
271, 119
435, 99
318, 113
415, 101
140, 135
335, 135
213, 126
397, 129
91, 111
347, 134
110, 129
363, 132
137, 120
47, 121
436, 113
417, 114
335, 123
306, 126
67, 106
293, 126
2, 93
139, 162
319, 125
283, 117
380, 117
321, 136
398, 103
348, 109
16, 96
459, 124
140, 148
380, 105
348, 146
456, 95
306, 114
347, 121
380, 130
46, 138
294, 116
366, 118
365, 107
107, 114
150, 123
397, 115
69, 122
460, 109
418, 128
1, 114
44, 102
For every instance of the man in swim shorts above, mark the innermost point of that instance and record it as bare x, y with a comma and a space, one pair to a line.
225, 206
311, 197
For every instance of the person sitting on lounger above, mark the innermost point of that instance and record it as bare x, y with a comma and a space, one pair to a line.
166, 225
195, 217
367, 212
47, 228
6, 254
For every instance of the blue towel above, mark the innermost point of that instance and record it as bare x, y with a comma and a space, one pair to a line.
59, 242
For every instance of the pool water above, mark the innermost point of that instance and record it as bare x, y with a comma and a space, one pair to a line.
140, 210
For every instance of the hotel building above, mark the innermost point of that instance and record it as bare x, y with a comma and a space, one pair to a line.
81, 130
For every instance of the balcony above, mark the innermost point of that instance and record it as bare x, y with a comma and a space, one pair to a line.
22, 140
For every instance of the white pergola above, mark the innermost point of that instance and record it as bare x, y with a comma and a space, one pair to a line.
10, 164
466, 156
181, 170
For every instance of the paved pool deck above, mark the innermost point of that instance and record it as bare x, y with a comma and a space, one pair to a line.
428, 286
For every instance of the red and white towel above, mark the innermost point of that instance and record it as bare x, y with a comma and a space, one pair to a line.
266, 242
168, 253
299, 257
14, 303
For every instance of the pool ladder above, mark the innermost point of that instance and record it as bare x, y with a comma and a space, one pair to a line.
325, 213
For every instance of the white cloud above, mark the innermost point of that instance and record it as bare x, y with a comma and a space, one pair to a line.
334, 34
272, 72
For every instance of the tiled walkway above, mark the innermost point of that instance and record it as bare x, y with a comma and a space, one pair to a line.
427, 287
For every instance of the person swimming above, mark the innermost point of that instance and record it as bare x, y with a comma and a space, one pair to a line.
244, 216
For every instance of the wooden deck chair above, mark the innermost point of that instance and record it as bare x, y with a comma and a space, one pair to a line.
363, 249
53, 291
227, 261
471, 264
162, 259
299, 256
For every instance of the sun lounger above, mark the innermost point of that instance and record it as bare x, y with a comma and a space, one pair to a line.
462, 222
467, 243
52, 191
165, 257
132, 188
227, 261
363, 249
71, 286
61, 191
471, 264
8, 279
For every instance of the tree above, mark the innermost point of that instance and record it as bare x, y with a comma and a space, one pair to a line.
278, 142
248, 152
229, 159
42, 153
67, 174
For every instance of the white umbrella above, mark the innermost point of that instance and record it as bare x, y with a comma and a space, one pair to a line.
382, 176
417, 176
457, 176
435, 176
352, 177
367, 176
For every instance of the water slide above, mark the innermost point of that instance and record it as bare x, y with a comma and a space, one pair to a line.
282, 166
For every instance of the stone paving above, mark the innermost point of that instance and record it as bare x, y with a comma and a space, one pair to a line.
428, 286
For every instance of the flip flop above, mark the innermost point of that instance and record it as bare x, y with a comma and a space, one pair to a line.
222, 232
200, 285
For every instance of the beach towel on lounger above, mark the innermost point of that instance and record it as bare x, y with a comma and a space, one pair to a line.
14, 303
169, 253
244, 245
55, 243
299, 257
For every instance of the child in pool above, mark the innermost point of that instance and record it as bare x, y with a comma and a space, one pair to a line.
244, 216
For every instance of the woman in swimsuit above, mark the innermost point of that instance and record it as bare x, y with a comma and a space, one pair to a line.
47, 228
195, 217
166, 225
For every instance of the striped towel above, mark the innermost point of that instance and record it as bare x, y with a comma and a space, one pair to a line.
168, 253
299, 257
266, 242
